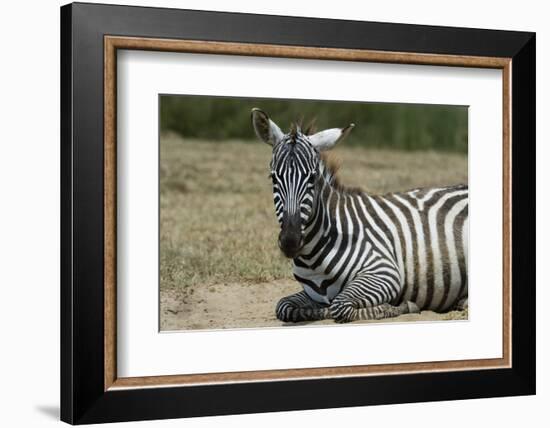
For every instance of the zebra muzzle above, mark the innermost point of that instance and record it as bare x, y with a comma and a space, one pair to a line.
290, 238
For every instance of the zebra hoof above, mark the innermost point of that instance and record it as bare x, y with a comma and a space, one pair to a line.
462, 305
412, 308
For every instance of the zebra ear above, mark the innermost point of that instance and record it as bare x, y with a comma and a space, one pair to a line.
327, 139
265, 128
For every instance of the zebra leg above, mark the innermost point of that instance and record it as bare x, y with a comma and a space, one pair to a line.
358, 301
462, 304
299, 307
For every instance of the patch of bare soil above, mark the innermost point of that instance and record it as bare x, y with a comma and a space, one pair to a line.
235, 305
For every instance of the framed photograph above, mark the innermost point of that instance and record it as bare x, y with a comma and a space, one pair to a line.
266, 213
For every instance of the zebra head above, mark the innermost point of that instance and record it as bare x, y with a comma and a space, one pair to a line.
294, 172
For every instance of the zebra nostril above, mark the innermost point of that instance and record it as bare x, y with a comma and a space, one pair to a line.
290, 243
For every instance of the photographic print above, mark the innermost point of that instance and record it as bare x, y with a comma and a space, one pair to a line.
278, 213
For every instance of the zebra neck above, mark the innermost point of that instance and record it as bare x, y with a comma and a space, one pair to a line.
327, 220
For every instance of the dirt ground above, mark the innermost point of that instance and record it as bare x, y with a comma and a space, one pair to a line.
220, 266
248, 306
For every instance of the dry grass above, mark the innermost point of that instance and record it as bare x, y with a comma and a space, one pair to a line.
217, 221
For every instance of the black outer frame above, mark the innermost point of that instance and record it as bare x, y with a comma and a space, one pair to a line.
83, 399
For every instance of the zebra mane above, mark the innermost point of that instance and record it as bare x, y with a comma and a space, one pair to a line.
300, 125
331, 166
330, 161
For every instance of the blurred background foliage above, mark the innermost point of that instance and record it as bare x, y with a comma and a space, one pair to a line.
380, 125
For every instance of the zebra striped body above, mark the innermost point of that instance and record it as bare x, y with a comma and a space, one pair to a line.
360, 256
417, 240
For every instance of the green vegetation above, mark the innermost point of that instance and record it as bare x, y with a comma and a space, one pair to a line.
378, 125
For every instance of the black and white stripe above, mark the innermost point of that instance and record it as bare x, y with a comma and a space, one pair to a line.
362, 256
293, 172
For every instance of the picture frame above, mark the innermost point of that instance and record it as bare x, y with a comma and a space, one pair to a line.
91, 35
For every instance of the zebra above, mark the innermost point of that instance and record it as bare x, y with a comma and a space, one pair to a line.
359, 256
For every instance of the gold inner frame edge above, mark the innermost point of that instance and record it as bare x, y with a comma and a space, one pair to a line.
113, 43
